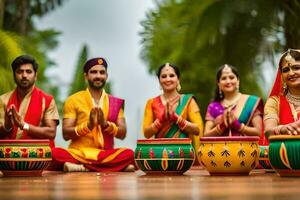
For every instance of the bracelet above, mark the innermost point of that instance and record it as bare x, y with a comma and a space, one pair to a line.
25, 127
243, 126
82, 129
182, 123
111, 128
156, 125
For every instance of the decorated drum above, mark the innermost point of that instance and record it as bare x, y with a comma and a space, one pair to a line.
236, 155
284, 154
165, 155
24, 157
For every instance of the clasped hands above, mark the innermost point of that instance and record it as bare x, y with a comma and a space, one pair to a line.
96, 118
167, 114
12, 117
228, 120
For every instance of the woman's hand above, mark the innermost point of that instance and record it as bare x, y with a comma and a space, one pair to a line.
291, 129
222, 121
233, 121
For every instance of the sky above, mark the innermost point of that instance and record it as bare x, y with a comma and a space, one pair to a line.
111, 30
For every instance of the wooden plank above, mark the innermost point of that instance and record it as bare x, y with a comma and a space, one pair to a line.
195, 184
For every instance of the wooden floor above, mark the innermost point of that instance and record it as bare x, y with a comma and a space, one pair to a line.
194, 184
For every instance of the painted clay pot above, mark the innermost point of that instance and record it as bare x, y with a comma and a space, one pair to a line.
164, 155
229, 155
24, 157
284, 154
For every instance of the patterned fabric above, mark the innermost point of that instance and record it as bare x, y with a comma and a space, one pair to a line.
84, 149
34, 108
246, 107
187, 108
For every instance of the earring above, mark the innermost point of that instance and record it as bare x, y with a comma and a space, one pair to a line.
220, 94
284, 86
237, 88
178, 87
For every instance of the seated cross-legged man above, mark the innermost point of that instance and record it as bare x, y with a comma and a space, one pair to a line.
92, 118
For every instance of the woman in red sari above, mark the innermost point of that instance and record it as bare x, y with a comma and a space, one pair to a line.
282, 109
171, 114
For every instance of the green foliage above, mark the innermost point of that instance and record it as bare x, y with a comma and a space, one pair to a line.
24, 38
78, 80
9, 49
200, 36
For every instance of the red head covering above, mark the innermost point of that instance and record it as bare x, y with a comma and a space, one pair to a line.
277, 88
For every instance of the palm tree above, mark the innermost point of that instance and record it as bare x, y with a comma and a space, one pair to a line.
9, 49
199, 36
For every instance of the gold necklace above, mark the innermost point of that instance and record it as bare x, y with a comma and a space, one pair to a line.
293, 99
232, 102
165, 99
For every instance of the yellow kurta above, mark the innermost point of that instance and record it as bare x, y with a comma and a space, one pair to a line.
78, 106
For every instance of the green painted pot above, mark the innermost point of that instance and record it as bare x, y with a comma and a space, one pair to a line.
24, 157
164, 155
284, 154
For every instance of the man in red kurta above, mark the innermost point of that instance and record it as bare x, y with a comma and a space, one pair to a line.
27, 112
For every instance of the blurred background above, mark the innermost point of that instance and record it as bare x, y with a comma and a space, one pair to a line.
136, 37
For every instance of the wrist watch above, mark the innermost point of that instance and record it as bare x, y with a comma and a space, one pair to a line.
25, 127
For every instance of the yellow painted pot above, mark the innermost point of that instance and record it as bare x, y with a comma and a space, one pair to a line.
229, 155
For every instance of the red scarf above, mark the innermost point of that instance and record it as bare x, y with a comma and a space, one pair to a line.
39, 102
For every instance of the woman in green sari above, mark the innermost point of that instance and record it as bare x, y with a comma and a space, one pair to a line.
171, 114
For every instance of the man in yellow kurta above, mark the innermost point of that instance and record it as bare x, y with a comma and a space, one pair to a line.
92, 118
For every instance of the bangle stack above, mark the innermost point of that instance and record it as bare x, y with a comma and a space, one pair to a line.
111, 129
156, 125
182, 123
82, 129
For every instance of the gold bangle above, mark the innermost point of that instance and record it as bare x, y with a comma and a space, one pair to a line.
82, 129
243, 126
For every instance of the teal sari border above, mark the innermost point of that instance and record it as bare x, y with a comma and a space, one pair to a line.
174, 128
248, 109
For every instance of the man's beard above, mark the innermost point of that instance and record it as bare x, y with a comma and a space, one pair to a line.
25, 86
96, 87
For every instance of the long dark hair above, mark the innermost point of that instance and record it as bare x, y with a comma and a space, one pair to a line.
217, 96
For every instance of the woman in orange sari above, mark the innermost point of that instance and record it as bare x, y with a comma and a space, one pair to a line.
171, 114
282, 109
